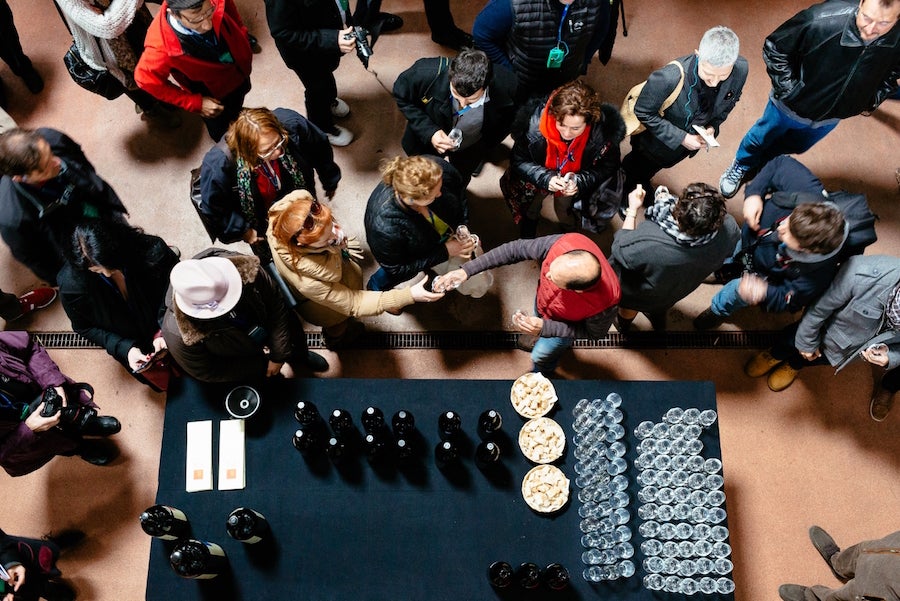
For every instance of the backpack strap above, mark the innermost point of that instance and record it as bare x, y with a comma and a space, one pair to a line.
443, 62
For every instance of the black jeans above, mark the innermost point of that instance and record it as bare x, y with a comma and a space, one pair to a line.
10, 48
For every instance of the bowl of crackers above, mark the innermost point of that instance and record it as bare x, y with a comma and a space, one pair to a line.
545, 488
542, 440
532, 395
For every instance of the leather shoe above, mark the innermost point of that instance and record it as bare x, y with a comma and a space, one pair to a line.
33, 80
390, 22
98, 451
761, 364
657, 321
881, 404
827, 548
792, 592
781, 377
65, 539
623, 325
101, 425
316, 362
708, 320
457, 39
54, 590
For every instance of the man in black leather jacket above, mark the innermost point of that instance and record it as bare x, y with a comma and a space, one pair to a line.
831, 61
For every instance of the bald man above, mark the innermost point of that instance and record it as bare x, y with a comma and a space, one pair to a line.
577, 293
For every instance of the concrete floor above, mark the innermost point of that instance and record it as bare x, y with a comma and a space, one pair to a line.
808, 455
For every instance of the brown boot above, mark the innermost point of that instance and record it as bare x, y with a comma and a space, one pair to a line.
881, 404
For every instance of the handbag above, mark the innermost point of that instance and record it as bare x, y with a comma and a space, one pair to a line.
99, 82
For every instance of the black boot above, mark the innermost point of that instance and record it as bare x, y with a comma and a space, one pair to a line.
98, 451
528, 227
65, 539
55, 590
101, 425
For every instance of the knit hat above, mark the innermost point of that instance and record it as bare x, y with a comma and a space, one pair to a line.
206, 288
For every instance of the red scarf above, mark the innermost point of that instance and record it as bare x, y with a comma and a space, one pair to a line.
564, 157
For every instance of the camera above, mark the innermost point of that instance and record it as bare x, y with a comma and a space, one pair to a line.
52, 402
363, 49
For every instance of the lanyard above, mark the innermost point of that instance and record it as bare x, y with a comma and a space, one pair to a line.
271, 173
568, 157
561, 21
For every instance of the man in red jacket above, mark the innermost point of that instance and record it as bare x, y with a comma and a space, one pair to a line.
203, 46
577, 293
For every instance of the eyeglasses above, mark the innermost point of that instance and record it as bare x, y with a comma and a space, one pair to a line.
309, 224
274, 149
207, 15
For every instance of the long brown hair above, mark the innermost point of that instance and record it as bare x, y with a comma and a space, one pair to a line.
243, 135
411, 177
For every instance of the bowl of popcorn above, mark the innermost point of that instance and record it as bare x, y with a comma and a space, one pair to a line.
542, 440
545, 488
532, 395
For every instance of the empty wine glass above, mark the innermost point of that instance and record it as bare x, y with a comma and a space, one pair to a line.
724, 586
672, 584
591, 557
665, 513
647, 477
715, 498
702, 548
649, 529
648, 511
673, 415
682, 511
697, 481
670, 565
723, 566
687, 568
591, 539
616, 466
615, 432
666, 531
665, 495
643, 430
655, 582
622, 534
651, 547
616, 449
718, 533
695, 463
705, 565
662, 462
653, 565
683, 530
688, 586
620, 516
679, 462
647, 494
699, 497
660, 430
707, 585
580, 407
593, 574
721, 549
712, 466
663, 478
625, 569
692, 432
623, 550
702, 531
619, 499
680, 447
714, 482
708, 418
618, 483
691, 416
664, 446
716, 515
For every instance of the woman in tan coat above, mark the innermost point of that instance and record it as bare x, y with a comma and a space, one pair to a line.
312, 253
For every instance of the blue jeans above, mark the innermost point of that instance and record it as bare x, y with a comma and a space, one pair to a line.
547, 351
777, 133
727, 300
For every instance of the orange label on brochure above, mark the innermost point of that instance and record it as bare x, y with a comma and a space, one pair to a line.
198, 474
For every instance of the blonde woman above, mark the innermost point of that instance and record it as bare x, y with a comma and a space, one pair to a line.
313, 255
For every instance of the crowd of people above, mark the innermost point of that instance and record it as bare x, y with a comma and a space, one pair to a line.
223, 316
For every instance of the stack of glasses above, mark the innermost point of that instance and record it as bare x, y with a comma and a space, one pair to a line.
681, 507
601, 465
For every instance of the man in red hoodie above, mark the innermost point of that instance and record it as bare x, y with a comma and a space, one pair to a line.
204, 47
577, 293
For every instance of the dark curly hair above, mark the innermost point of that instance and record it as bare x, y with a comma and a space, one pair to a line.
575, 99
700, 210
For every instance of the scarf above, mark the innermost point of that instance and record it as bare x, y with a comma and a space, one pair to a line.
562, 157
660, 213
245, 178
893, 309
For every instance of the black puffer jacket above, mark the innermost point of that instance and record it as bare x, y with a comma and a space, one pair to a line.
821, 68
402, 240
601, 156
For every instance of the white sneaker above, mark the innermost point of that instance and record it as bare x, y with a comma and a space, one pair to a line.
341, 137
339, 108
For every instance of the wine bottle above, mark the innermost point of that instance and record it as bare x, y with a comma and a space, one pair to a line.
449, 424
376, 445
403, 423
340, 421
487, 453
305, 440
335, 449
404, 450
372, 419
500, 574
246, 525
165, 522
489, 423
198, 559
556, 576
528, 575
445, 454
306, 413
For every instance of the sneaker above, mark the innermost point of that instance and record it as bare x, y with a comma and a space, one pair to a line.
341, 136
792, 592
37, 299
339, 108
761, 364
781, 377
881, 404
708, 320
827, 548
732, 179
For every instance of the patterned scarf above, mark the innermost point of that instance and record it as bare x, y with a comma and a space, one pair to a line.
893, 309
660, 213
245, 183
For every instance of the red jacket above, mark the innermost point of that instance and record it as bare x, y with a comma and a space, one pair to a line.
573, 306
163, 56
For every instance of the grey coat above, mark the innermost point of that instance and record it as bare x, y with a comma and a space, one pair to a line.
656, 272
848, 317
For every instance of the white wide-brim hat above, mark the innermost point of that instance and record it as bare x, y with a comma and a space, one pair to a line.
206, 288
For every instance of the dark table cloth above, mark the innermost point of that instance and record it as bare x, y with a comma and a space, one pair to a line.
366, 533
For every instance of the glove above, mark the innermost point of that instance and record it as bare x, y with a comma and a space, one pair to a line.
354, 249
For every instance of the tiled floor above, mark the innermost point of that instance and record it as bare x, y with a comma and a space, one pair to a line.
808, 455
